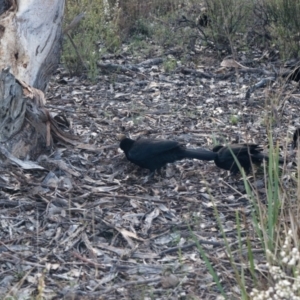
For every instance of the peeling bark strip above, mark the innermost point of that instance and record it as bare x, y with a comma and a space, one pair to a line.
26, 127
23, 119
12, 106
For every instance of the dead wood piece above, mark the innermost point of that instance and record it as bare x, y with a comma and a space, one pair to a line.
202, 242
174, 51
262, 83
45, 160
151, 62
129, 197
61, 135
292, 74
27, 165
129, 283
17, 260
88, 261
118, 68
292, 70
256, 70
125, 253
187, 71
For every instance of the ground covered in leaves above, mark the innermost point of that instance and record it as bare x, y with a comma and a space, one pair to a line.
91, 225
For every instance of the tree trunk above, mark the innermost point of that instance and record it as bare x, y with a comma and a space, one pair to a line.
30, 34
30, 44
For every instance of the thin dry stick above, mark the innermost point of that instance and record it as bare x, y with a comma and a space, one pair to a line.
135, 282
101, 267
203, 242
74, 22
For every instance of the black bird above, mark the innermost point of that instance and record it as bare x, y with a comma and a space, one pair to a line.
246, 154
292, 70
154, 154
296, 138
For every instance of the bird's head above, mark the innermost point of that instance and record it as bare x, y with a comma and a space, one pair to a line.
125, 142
121, 137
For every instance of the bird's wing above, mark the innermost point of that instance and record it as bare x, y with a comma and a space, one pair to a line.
245, 149
149, 148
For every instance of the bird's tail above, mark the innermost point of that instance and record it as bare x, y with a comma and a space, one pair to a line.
296, 138
200, 153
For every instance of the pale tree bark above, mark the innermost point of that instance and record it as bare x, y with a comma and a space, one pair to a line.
30, 45
31, 32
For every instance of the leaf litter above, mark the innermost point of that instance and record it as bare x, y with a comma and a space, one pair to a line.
83, 223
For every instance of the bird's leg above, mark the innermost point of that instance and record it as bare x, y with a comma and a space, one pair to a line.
159, 171
234, 174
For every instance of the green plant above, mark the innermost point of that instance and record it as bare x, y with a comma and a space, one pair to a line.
234, 119
274, 230
81, 45
228, 21
140, 29
170, 65
135, 16
284, 25
209, 266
